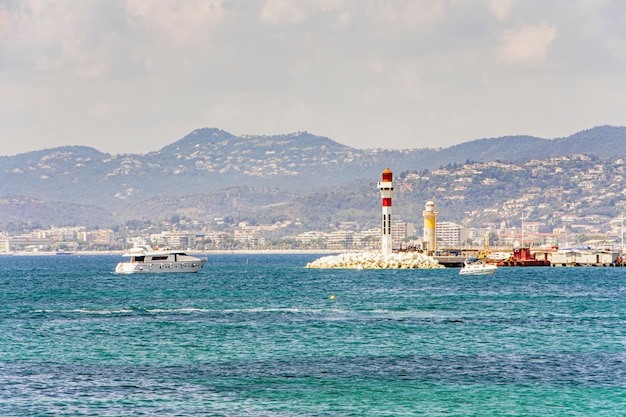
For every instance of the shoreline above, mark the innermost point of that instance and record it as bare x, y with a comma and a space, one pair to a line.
194, 252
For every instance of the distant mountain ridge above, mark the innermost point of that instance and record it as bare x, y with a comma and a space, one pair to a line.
208, 160
603, 142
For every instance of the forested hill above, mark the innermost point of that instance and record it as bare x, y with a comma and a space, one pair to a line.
604, 142
91, 187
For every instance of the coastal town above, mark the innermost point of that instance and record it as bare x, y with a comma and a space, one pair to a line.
589, 231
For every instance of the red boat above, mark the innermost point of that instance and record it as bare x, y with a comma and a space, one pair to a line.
523, 257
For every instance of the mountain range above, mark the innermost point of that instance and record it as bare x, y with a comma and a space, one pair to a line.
211, 173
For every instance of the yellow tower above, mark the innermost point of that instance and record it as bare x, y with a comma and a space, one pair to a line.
430, 225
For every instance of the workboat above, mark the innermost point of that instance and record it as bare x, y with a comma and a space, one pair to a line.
144, 259
475, 266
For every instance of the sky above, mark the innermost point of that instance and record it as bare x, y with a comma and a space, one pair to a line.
132, 76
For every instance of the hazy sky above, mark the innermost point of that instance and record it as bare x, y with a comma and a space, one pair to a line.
135, 75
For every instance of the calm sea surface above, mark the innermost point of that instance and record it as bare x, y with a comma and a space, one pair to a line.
260, 335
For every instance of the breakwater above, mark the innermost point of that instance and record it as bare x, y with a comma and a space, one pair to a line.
376, 260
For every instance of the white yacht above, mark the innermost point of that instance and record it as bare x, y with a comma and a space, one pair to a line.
474, 266
144, 259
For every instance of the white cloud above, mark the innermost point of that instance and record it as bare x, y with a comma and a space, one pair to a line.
293, 12
527, 45
178, 22
375, 65
342, 9
109, 74
283, 12
501, 8
395, 15
6, 24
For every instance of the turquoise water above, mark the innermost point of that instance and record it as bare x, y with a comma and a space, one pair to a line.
259, 335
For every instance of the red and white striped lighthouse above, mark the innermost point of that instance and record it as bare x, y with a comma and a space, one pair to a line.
386, 192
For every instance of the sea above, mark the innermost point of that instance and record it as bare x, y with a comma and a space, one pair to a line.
261, 335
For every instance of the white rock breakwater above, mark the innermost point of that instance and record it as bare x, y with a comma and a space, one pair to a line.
376, 260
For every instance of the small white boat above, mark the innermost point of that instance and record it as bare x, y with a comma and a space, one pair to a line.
144, 259
474, 266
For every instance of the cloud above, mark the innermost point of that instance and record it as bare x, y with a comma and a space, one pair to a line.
6, 24
177, 23
501, 8
111, 73
294, 12
289, 12
67, 39
527, 45
394, 15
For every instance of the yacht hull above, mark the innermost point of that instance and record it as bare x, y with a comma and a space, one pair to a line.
159, 267
145, 260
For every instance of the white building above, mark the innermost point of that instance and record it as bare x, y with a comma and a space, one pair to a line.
101, 236
4, 244
341, 239
173, 239
251, 238
448, 234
